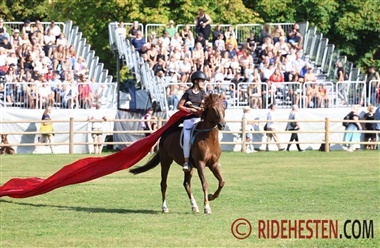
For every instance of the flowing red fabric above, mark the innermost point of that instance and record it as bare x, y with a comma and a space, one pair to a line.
87, 169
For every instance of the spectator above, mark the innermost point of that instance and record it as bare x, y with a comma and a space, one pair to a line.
313, 99
3, 30
231, 40
59, 56
219, 43
84, 92
15, 39
271, 127
251, 43
97, 128
171, 29
38, 27
298, 63
61, 40
294, 126
309, 76
266, 32
200, 39
324, 99
373, 85
202, 24
369, 137
159, 68
251, 126
49, 43
133, 31
216, 33
139, 42
46, 129
55, 29
186, 32
281, 46
27, 29
278, 32
6, 45
295, 37
376, 117
121, 30
353, 125
152, 39
342, 87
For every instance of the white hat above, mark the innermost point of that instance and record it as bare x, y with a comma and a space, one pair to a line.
16, 31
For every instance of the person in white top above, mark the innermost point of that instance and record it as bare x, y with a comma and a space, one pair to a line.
271, 127
55, 29
293, 125
121, 30
97, 128
249, 128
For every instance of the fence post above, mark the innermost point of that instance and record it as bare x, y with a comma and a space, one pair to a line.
327, 135
243, 135
71, 136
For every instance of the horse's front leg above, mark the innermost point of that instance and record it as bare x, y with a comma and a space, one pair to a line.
187, 185
201, 173
165, 166
215, 169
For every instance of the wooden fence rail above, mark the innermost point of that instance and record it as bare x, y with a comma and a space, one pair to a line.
325, 129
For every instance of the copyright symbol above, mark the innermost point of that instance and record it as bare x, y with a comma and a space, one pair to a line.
241, 228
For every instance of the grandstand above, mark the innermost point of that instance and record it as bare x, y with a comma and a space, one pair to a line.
317, 53
23, 92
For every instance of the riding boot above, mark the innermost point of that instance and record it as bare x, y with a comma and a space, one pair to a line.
288, 147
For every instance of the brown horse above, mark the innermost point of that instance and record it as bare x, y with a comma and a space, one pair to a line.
205, 152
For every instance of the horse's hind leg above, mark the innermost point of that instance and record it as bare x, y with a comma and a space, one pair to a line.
215, 169
187, 185
165, 166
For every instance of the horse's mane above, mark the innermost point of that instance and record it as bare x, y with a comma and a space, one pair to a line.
209, 101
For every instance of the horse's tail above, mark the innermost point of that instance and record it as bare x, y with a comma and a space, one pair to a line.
153, 162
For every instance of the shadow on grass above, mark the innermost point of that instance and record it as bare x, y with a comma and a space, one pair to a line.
85, 209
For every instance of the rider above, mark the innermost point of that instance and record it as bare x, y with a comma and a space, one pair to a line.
191, 101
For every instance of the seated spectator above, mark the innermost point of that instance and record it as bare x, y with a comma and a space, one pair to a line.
59, 56
189, 42
309, 76
159, 68
6, 45
80, 67
61, 40
139, 43
45, 95
26, 29
152, 39
185, 32
38, 27
70, 91
216, 32
84, 92
231, 40
219, 43
176, 41
281, 46
3, 30
229, 31
313, 96
198, 53
323, 95
298, 63
295, 37
231, 51
49, 43
185, 69
121, 30
200, 39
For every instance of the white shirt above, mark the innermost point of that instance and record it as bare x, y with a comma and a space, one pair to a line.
121, 31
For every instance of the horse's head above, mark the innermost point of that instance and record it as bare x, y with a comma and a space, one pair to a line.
214, 112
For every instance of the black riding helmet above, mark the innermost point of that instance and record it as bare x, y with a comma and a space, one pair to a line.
198, 75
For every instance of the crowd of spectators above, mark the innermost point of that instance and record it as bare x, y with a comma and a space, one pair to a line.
271, 64
38, 69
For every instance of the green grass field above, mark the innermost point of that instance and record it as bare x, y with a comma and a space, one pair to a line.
122, 210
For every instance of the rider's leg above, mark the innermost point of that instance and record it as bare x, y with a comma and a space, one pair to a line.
187, 125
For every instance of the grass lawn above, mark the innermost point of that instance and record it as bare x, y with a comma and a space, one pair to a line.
122, 210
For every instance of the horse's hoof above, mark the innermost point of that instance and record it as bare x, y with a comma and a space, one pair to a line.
195, 209
210, 197
165, 210
207, 211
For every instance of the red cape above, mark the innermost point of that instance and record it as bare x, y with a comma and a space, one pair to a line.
87, 169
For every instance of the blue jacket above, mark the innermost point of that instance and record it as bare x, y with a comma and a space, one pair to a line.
376, 117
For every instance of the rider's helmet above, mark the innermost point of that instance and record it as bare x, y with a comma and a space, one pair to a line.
198, 75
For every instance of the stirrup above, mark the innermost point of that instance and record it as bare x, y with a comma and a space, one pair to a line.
186, 167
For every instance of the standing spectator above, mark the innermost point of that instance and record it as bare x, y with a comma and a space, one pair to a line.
171, 29
249, 128
55, 29
295, 37
27, 29
354, 126
3, 29
133, 31
271, 127
202, 24
342, 87
266, 32
97, 129
148, 124
293, 125
15, 39
376, 117
369, 137
216, 32
46, 129
372, 87
251, 43
121, 31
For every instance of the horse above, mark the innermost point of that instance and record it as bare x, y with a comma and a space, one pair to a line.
205, 152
